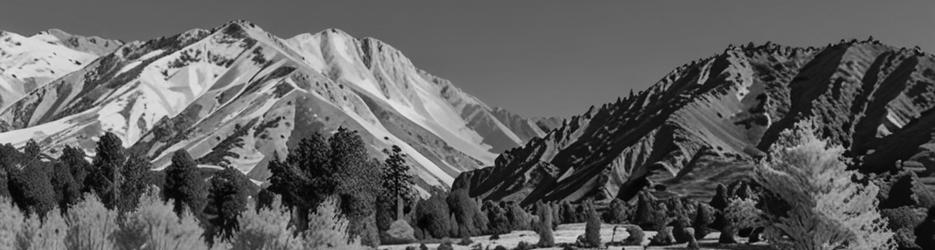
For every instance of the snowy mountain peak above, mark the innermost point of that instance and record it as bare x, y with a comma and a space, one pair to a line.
237, 95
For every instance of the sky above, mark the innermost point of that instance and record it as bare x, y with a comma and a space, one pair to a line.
535, 58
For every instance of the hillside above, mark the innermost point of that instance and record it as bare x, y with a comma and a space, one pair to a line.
236, 95
707, 122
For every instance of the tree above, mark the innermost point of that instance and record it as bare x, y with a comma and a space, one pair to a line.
305, 177
396, 178
467, 213
592, 229
432, 215
105, 177
263, 228
67, 190
11, 222
184, 185
358, 183
32, 150
828, 208
31, 187
43, 233
704, 217
544, 227
644, 211
74, 160
925, 232
134, 172
328, 228
719, 201
227, 199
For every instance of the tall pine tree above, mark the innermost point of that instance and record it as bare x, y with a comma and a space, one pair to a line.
105, 175
397, 182
184, 184
227, 199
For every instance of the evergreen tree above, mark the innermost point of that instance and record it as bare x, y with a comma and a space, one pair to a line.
74, 159
704, 217
644, 211
616, 212
359, 179
32, 150
305, 177
184, 185
227, 199
134, 173
396, 180
105, 176
67, 190
719, 201
31, 187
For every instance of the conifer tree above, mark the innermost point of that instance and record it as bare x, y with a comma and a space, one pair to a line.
397, 181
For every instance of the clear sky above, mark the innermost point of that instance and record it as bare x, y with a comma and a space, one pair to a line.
537, 58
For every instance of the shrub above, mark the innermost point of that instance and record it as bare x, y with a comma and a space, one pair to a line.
446, 245
467, 213
523, 245
903, 220
544, 227
616, 212
327, 228
635, 235
592, 230
46, 233
678, 231
742, 213
155, 226
11, 221
663, 237
519, 218
828, 209
432, 215
704, 218
264, 228
90, 225
498, 223
465, 241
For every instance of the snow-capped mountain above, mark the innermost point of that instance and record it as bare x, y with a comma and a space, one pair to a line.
27, 63
236, 95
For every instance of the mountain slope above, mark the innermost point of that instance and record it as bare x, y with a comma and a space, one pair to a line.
237, 95
706, 122
27, 63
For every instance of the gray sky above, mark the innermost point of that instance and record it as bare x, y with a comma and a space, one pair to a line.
537, 58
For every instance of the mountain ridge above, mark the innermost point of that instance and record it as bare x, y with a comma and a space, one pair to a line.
236, 95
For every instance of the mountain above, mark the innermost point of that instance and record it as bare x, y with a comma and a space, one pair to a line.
27, 63
236, 95
708, 121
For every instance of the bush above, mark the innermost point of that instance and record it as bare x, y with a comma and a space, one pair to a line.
616, 212
11, 221
263, 228
663, 237
467, 213
497, 218
828, 209
925, 232
519, 218
155, 226
704, 218
432, 215
522, 245
90, 225
465, 241
903, 220
446, 245
592, 230
47, 233
635, 235
327, 228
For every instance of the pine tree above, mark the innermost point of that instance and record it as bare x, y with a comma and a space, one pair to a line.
359, 179
719, 201
105, 176
74, 160
134, 173
31, 187
396, 179
305, 177
227, 199
67, 190
184, 185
